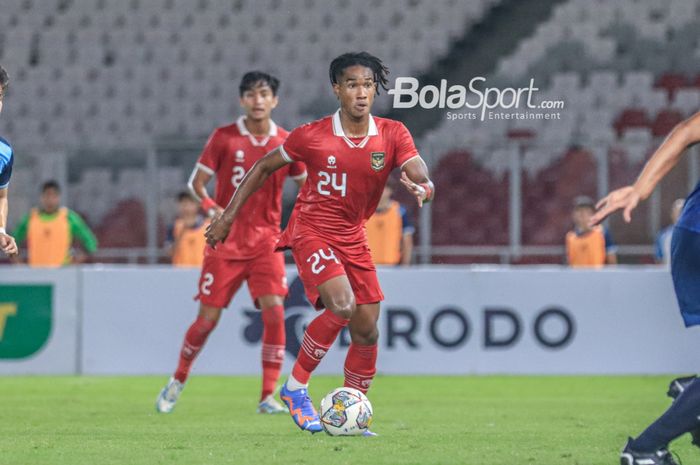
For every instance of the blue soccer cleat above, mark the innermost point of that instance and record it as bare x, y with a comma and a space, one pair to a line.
302, 410
679, 385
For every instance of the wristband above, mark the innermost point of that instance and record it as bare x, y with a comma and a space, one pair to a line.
2, 231
428, 191
207, 204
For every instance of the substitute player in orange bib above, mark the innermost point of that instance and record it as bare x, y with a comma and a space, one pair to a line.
349, 156
248, 254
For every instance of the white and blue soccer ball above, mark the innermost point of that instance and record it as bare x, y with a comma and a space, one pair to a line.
345, 412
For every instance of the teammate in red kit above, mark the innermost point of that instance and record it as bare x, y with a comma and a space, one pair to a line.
349, 157
249, 252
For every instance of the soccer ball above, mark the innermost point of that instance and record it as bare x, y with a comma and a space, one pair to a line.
345, 412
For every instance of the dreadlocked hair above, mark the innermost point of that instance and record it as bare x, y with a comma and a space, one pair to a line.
346, 60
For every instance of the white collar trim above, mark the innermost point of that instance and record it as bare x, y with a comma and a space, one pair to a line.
338, 131
240, 123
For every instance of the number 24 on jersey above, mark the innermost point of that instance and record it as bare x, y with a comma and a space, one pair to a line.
332, 181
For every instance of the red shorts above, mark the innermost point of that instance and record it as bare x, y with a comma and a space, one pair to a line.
221, 278
318, 261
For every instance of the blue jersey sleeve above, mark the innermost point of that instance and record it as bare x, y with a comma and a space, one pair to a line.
407, 226
6, 161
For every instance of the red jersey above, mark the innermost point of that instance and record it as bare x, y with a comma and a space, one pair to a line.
346, 177
229, 154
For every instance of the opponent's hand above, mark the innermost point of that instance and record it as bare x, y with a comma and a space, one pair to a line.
626, 199
8, 244
415, 189
217, 231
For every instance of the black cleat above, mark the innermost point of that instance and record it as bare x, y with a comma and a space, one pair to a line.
660, 457
678, 385
675, 389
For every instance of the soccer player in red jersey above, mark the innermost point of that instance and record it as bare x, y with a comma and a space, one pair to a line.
249, 252
349, 156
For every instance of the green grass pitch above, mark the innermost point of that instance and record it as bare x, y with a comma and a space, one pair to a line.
421, 420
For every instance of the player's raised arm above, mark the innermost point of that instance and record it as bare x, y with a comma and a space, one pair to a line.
661, 162
414, 176
7, 242
254, 180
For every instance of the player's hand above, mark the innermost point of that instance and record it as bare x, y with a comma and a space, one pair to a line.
625, 198
415, 189
215, 212
217, 231
8, 244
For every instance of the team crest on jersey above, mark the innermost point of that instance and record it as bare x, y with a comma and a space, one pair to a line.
377, 160
240, 155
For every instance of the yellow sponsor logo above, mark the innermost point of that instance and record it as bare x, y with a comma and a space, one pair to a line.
6, 311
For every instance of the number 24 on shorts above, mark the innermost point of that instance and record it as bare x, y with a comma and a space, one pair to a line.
316, 257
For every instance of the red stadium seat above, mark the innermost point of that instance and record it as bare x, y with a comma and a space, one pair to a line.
480, 199
671, 82
521, 134
665, 121
548, 197
631, 118
123, 226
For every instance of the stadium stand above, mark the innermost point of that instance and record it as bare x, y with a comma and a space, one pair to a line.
107, 74
123, 72
619, 99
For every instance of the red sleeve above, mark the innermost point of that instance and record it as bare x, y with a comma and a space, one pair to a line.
297, 169
211, 155
293, 148
405, 149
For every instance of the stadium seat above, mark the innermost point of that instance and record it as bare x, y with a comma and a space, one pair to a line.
631, 118
485, 221
665, 121
671, 82
687, 100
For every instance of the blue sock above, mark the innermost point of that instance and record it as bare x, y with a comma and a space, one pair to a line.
680, 418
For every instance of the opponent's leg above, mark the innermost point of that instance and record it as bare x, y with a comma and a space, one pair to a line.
273, 342
680, 418
337, 296
675, 389
195, 337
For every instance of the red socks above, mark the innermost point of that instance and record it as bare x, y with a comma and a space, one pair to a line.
360, 366
273, 342
318, 338
360, 363
195, 338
